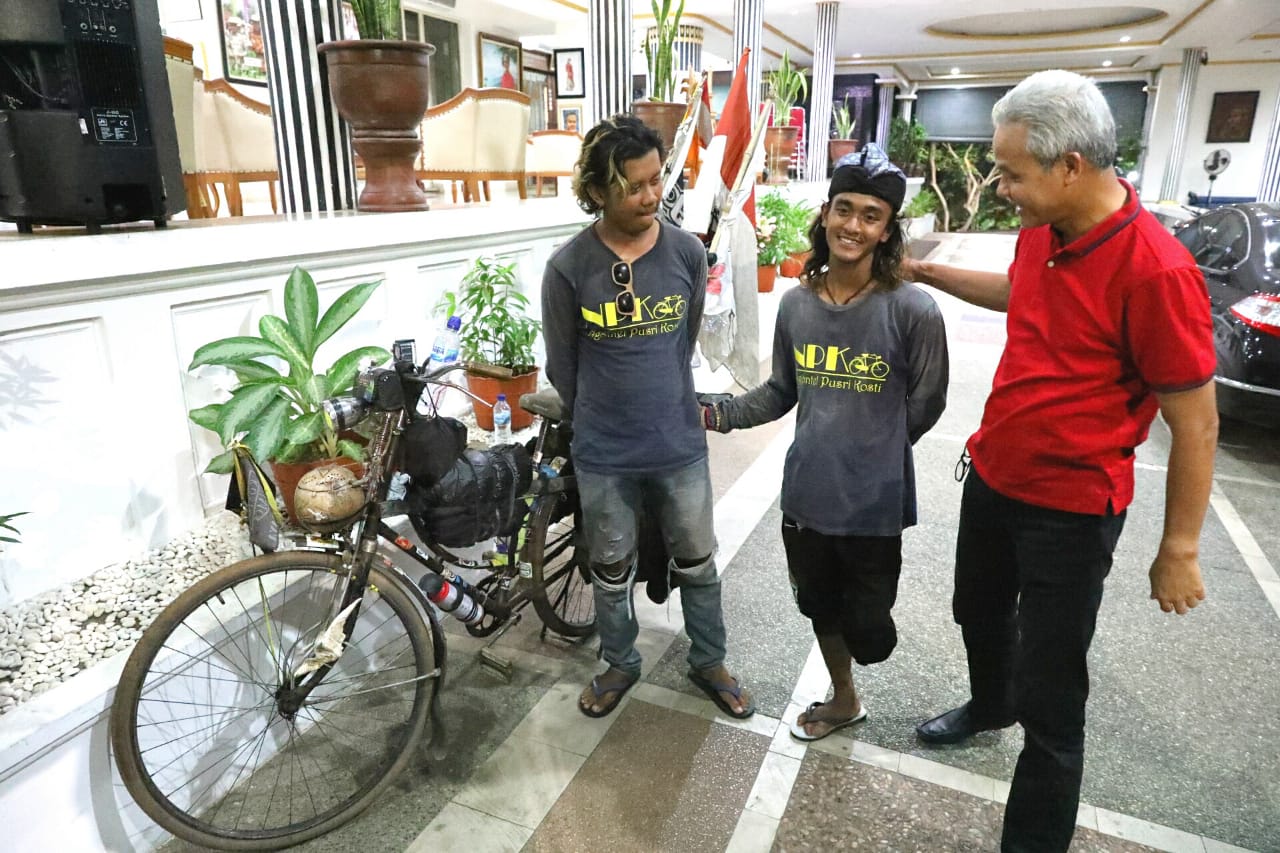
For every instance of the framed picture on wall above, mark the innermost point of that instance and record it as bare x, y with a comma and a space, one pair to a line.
569, 71
571, 119
501, 63
240, 28
1231, 119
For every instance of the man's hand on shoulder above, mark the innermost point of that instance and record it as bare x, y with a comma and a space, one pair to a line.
1175, 581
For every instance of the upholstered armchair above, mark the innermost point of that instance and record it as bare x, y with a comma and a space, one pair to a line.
223, 137
551, 154
475, 137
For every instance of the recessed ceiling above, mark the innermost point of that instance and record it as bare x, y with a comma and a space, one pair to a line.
1042, 23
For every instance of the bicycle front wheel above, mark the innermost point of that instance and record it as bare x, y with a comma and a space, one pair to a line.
562, 592
211, 734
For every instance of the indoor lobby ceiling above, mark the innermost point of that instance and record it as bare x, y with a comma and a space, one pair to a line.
933, 42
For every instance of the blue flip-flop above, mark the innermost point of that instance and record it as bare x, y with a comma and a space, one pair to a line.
598, 691
798, 732
713, 691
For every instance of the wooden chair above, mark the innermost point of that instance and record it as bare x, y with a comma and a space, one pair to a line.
475, 137
551, 154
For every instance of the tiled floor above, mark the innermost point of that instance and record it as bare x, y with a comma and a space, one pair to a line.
1182, 727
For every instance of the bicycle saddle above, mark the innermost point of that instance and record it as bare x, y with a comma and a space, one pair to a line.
546, 403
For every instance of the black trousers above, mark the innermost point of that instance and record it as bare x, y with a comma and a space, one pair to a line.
1028, 586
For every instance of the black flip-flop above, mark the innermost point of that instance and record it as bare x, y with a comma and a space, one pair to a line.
798, 732
598, 692
713, 693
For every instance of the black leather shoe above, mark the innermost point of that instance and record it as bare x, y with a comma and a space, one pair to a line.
957, 725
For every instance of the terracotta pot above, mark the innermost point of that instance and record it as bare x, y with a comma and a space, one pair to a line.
662, 116
488, 389
779, 145
287, 475
791, 267
765, 278
837, 148
381, 89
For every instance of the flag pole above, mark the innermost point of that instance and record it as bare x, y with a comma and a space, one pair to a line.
674, 166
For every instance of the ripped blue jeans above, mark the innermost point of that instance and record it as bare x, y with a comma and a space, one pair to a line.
681, 504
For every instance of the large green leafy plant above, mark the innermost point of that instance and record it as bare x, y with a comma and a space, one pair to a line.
659, 51
495, 328
787, 86
279, 414
377, 19
908, 145
844, 120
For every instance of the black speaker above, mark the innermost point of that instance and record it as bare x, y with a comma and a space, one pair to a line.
86, 121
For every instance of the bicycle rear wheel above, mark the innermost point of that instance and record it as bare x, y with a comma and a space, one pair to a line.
562, 592
204, 727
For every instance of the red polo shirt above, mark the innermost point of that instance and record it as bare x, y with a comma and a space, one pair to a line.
1095, 328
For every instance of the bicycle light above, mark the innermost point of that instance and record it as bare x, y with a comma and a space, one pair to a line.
345, 412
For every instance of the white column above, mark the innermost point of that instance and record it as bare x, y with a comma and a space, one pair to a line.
748, 22
887, 89
820, 90
1269, 186
313, 146
1191, 60
609, 26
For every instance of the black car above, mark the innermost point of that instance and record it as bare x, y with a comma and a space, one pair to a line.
1237, 247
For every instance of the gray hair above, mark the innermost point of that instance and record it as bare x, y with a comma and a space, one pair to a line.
1062, 112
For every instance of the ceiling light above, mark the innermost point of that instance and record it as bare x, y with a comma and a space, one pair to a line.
1125, 39
1106, 63
857, 56
955, 71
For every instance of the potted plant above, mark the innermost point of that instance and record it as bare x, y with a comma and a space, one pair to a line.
662, 111
919, 214
379, 85
497, 331
844, 143
784, 241
787, 86
771, 242
908, 146
278, 414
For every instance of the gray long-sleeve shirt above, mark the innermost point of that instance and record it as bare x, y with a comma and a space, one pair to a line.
627, 381
869, 378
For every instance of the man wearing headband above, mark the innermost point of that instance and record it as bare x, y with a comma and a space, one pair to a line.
864, 358
621, 367
1108, 321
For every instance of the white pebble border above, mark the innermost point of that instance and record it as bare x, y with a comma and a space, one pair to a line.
50, 638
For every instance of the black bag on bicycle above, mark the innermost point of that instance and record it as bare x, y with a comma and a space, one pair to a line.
430, 447
480, 496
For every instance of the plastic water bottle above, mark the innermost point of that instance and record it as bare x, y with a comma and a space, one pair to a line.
451, 599
501, 421
444, 351
398, 486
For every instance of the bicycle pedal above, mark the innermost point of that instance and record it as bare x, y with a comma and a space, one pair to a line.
498, 665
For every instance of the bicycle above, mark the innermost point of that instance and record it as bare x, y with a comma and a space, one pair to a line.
274, 700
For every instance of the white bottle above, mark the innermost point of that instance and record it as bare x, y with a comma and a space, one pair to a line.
444, 351
501, 422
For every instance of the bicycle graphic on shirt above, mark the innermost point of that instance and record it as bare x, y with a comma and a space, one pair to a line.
870, 364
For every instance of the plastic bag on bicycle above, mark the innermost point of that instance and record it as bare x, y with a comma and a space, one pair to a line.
480, 496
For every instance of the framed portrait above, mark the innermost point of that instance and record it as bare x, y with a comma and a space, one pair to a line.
571, 119
240, 28
500, 62
1231, 119
569, 71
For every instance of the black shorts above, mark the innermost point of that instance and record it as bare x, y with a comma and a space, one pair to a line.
846, 585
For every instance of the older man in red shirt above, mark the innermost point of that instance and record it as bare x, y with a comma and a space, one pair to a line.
1108, 322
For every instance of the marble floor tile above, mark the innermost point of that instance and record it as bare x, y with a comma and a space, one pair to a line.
460, 828
660, 780
520, 781
1145, 832
773, 785
753, 834
557, 721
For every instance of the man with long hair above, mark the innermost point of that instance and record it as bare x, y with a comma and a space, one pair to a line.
621, 306
864, 357
1108, 321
